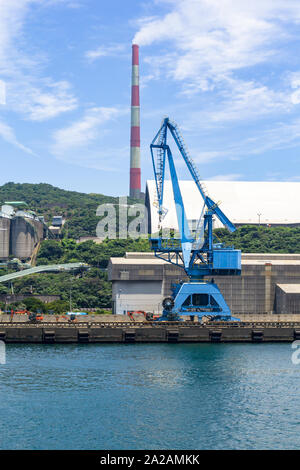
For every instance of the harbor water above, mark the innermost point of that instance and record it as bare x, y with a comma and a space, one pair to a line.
149, 396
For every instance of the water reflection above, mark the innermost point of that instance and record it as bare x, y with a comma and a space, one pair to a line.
149, 396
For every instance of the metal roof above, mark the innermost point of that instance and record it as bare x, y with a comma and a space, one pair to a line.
139, 260
244, 202
142, 261
16, 203
290, 288
276, 262
43, 268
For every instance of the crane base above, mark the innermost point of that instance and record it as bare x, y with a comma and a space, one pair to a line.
197, 299
167, 317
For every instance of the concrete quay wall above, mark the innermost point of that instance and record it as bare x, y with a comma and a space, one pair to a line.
142, 333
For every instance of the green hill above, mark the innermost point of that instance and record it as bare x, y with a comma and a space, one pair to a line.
45, 197
79, 209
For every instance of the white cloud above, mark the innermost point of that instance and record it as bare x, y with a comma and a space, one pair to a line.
81, 134
66, 3
38, 97
207, 156
244, 100
11, 22
28, 92
209, 45
104, 158
41, 103
8, 134
227, 177
280, 136
215, 37
105, 51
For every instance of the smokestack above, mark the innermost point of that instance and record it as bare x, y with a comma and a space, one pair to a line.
135, 151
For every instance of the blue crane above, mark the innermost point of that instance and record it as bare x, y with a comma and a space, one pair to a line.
194, 250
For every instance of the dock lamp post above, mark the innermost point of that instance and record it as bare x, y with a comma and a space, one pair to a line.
119, 298
259, 214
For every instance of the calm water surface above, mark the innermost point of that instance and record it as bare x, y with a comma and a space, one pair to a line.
179, 396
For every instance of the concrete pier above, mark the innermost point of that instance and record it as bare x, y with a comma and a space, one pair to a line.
139, 332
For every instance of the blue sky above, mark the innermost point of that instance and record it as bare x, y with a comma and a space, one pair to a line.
227, 72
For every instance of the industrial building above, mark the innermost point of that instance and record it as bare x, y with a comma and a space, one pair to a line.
269, 283
5, 223
20, 232
247, 202
56, 226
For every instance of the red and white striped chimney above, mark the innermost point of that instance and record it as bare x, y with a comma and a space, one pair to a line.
135, 140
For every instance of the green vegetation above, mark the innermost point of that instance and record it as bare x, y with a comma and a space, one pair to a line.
79, 209
255, 239
90, 289
250, 239
97, 255
45, 197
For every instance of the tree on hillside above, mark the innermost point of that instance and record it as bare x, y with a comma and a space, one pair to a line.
34, 305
